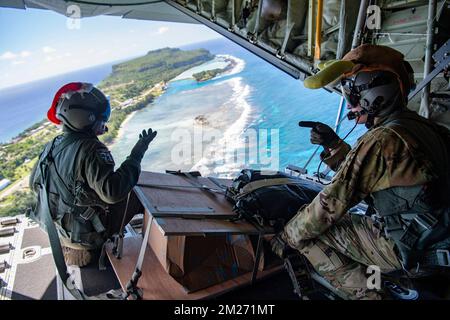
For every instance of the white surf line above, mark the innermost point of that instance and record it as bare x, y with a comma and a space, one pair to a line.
209, 65
231, 136
240, 65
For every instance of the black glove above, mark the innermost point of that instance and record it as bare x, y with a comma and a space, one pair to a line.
324, 135
279, 246
141, 146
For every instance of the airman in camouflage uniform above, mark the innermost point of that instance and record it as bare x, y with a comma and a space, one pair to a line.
401, 162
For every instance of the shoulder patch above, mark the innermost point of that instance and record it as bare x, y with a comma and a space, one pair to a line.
105, 156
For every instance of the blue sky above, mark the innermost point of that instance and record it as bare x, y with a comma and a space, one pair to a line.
38, 44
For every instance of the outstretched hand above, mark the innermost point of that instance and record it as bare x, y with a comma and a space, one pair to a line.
141, 145
147, 136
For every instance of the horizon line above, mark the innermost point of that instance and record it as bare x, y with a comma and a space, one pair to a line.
100, 64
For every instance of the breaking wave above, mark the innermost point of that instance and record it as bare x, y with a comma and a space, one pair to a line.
222, 162
240, 65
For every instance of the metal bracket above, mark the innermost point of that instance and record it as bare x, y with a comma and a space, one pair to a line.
297, 169
252, 37
290, 69
117, 249
302, 281
280, 55
442, 58
257, 256
443, 257
167, 186
182, 210
291, 272
217, 183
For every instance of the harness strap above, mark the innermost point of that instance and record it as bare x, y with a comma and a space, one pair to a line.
254, 185
406, 237
52, 232
438, 258
86, 213
55, 243
54, 151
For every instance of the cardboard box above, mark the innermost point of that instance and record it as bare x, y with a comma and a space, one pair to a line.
197, 262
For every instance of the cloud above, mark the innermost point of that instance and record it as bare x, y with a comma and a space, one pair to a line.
48, 49
162, 30
50, 58
8, 55
17, 62
25, 54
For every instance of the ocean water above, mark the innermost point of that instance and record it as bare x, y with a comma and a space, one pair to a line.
254, 99
23, 105
237, 112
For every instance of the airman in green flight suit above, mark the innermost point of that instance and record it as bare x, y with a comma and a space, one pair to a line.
87, 195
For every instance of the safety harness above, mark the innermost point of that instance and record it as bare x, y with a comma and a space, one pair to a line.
421, 233
43, 215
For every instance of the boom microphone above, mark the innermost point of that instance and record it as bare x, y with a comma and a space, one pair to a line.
355, 114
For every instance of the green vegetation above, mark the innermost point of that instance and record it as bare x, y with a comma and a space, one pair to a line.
17, 156
207, 75
17, 203
129, 79
131, 86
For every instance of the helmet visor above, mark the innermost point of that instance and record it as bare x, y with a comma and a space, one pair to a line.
105, 115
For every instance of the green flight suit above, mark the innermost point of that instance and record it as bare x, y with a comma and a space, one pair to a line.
340, 246
87, 169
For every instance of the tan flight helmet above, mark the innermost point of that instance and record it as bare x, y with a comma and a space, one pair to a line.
366, 58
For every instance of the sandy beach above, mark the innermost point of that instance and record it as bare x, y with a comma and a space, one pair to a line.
194, 121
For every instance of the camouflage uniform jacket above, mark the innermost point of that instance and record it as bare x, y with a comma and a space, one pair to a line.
386, 156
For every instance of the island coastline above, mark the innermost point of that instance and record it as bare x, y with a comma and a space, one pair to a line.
16, 197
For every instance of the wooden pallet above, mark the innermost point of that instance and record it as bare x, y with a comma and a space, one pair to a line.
157, 284
180, 207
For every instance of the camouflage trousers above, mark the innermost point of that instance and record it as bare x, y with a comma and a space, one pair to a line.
343, 253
